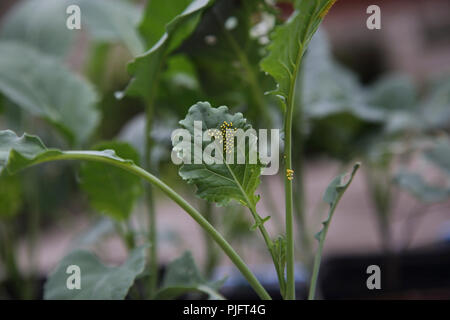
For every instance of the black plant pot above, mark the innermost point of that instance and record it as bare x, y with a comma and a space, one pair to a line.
416, 274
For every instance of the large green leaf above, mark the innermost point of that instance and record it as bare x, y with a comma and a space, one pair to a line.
145, 68
337, 106
183, 276
220, 182
98, 282
42, 24
17, 153
339, 90
112, 191
41, 85
290, 41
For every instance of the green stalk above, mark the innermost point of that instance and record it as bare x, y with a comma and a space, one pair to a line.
340, 190
290, 281
197, 216
212, 256
152, 232
299, 200
260, 224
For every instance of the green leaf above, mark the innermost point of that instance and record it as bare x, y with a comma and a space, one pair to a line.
112, 191
227, 57
157, 15
435, 107
220, 182
394, 92
339, 90
98, 282
10, 195
183, 276
279, 249
44, 87
440, 155
396, 95
145, 68
289, 43
18, 153
42, 24
415, 185
333, 194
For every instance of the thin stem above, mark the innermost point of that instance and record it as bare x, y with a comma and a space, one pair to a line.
260, 224
299, 200
323, 234
152, 230
217, 237
290, 281
316, 267
212, 256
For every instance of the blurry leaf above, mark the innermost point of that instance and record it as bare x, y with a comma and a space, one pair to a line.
183, 276
44, 87
440, 155
112, 21
415, 185
42, 24
435, 108
98, 282
10, 195
289, 43
112, 191
99, 230
339, 90
134, 133
145, 68
157, 15
220, 182
179, 86
394, 92
397, 96
17, 153
226, 57
333, 195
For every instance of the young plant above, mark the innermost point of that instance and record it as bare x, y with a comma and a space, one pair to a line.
219, 183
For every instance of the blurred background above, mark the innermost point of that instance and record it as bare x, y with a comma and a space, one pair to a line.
381, 97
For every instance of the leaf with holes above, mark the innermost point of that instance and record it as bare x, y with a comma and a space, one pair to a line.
220, 182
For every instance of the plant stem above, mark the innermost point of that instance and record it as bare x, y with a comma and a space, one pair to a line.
152, 232
211, 252
299, 200
290, 255
217, 237
260, 224
323, 233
